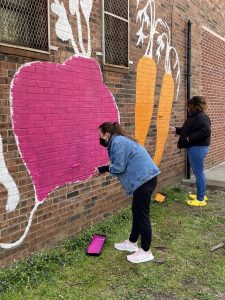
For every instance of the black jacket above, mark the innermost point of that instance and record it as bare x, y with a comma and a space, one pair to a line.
196, 131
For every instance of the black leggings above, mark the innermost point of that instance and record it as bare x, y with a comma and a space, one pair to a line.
141, 224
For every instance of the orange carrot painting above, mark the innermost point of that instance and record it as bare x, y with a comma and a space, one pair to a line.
166, 95
145, 92
146, 78
146, 73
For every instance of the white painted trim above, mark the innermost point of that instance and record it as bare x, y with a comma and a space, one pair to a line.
54, 48
213, 33
117, 66
98, 53
115, 16
49, 31
128, 19
24, 48
103, 29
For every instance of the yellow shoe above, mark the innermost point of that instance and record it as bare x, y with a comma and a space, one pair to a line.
196, 203
193, 197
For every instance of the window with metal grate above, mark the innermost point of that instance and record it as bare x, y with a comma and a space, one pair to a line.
116, 32
24, 24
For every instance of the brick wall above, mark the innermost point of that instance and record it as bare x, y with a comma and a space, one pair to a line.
73, 207
213, 68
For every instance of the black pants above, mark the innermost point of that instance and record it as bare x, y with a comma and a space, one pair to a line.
141, 224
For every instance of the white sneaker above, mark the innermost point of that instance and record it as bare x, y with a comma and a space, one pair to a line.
140, 256
126, 246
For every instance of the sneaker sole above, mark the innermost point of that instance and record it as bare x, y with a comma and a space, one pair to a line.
195, 197
197, 205
139, 262
127, 250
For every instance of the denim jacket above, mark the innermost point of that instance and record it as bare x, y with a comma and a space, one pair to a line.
130, 162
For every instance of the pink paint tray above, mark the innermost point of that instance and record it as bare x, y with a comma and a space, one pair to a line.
96, 245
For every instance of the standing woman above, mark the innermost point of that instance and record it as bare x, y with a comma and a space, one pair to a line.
195, 136
137, 172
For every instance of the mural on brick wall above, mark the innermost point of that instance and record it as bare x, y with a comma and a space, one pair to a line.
56, 110
154, 30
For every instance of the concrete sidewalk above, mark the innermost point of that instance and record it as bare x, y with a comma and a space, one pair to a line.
215, 177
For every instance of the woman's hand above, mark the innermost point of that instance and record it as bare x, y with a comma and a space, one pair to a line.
101, 170
173, 130
97, 173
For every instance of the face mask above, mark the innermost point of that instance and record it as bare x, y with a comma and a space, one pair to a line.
103, 142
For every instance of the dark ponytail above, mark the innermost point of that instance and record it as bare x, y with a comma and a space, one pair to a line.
118, 129
112, 128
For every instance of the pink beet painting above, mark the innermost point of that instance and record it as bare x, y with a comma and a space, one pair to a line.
56, 113
56, 110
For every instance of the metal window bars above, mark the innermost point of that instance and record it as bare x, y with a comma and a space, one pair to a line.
24, 24
116, 32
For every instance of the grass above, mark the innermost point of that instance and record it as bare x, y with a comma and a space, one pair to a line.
182, 240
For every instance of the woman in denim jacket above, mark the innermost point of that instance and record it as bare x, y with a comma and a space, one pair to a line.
137, 172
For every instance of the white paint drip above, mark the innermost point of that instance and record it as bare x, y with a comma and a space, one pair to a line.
20, 241
8, 182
